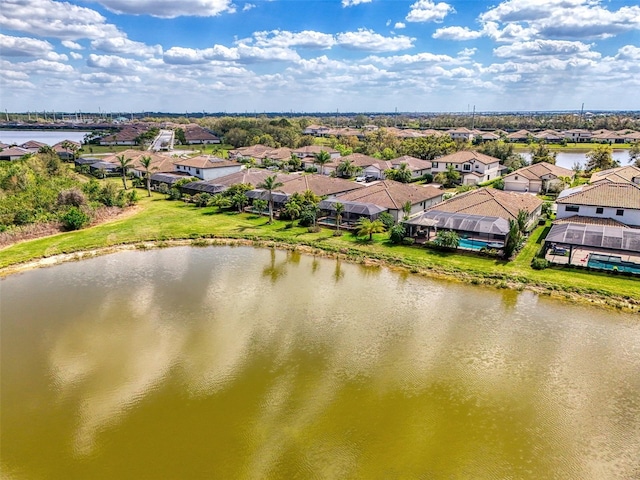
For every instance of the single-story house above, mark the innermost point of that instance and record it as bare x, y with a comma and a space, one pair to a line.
352, 211
207, 167
13, 153
310, 151
33, 146
537, 178
481, 214
393, 196
416, 166
626, 174
104, 168
321, 185
67, 149
519, 136
461, 133
371, 166
196, 135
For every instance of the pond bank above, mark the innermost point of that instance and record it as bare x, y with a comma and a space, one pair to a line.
504, 281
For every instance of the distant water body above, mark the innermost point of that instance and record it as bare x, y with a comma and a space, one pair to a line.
569, 159
50, 137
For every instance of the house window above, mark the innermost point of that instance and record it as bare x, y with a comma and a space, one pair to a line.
620, 212
197, 171
599, 210
434, 164
516, 177
466, 167
571, 208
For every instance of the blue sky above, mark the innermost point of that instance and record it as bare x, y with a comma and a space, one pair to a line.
327, 55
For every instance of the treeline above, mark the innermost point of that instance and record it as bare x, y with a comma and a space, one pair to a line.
42, 189
444, 121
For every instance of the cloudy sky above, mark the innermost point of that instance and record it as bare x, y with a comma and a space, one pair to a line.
319, 55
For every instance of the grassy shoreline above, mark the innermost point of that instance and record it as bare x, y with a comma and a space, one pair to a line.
159, 223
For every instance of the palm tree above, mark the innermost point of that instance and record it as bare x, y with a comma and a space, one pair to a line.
367, 227
124, 164
406, 209
346, 168
292, 209
321, 158
402, 174
146, 164
339, 209
270, 184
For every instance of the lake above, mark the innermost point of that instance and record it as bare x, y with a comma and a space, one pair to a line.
234, 362
569, 159
50, 137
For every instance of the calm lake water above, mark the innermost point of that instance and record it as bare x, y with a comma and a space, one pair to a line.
50, 137
569, 159
249, 363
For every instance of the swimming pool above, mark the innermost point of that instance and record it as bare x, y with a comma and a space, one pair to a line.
473, 244
612, 262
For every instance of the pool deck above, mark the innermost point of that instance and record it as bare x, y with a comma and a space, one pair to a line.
580, 256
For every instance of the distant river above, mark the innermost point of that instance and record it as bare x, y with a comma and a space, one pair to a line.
226, 362
50, 137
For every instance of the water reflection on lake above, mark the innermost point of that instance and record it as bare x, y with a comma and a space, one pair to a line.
569, 159
246, 363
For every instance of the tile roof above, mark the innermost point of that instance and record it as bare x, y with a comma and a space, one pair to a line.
465, 156
604, 194
207, 161
250, 176
361, 160
321, 185
606, 222
393, 195
617, 175
538, 170
313, 149
490, 202
412, 162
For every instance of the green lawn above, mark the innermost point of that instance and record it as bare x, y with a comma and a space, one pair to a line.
159, 220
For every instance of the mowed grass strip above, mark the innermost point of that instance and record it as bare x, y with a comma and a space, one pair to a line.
162, 220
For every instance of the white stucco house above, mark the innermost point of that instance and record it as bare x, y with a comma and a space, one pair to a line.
207, 167
474, 167
537, 178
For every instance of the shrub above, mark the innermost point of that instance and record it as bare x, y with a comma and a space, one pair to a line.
72, 197
427, 177
499, 184
539, 263
387, 219
74, 219
201, 199
174, 194
163, 188
396, 234
408, 241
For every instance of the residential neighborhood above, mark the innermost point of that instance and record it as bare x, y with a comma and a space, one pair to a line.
478, 200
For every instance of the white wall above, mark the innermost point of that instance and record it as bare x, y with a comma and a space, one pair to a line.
210, 173
631, 216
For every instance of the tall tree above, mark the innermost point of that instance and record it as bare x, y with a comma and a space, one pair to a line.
146, 164
339, 211
321, 158
601, 158
541, 153
634, 154
270, 184
124, 164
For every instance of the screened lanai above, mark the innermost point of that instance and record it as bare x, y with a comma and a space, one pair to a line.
202, 186
353, 211
466, 225
597, 236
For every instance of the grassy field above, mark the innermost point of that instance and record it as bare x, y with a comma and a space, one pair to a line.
159, 220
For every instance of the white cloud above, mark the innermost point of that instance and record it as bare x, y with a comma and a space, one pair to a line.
169, 8
190, 56
54, 19
122, 45
351, 3
24, 46
72, 45
566, 18
75, 56
399, 26
107, 78
368, 40
417, 59
554, 48
44, 66
467, 52
113, 63
284, 39
628, 52
456, 33
429, 11
248, 6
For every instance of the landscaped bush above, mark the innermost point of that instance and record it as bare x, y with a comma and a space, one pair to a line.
396, 234
408, 241
539, 263
387, 219
74, 219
